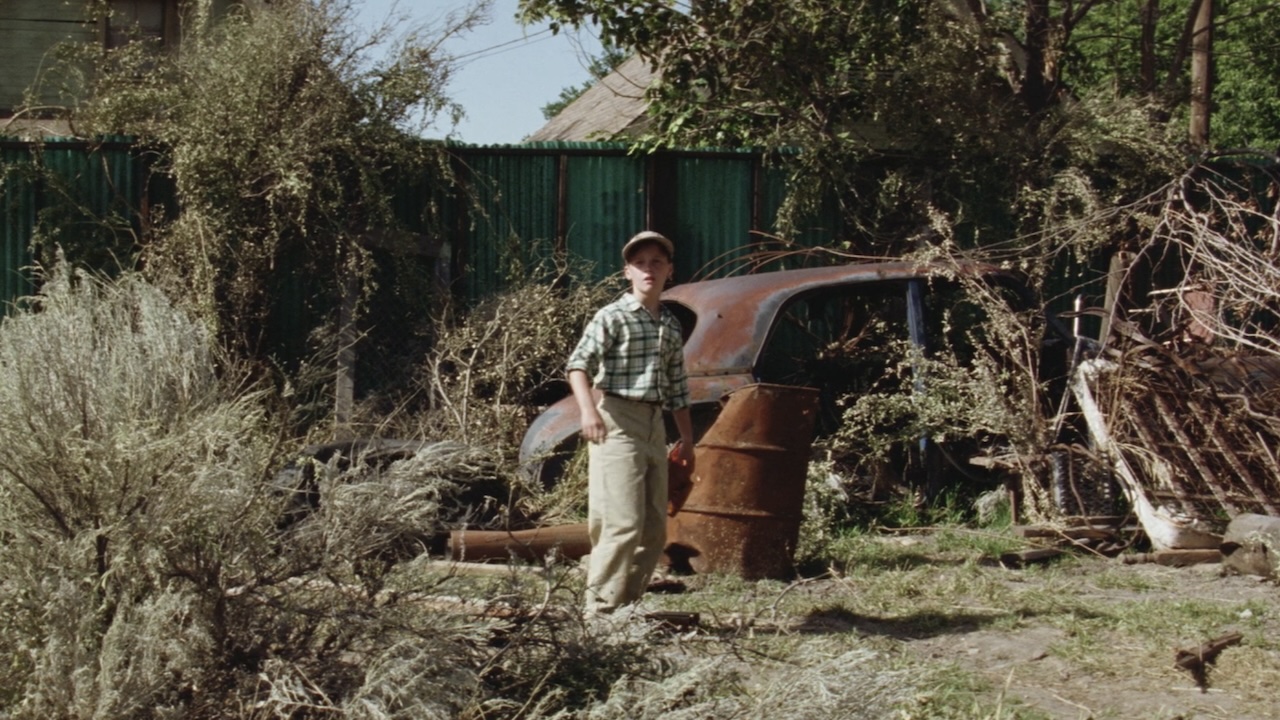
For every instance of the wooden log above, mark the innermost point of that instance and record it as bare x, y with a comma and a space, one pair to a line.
568, 541
1023, 558
1083, 532
454, 567
1174, 558
673, 620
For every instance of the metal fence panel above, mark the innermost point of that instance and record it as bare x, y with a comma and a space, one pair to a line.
714, 203
510, 201
82, 196
604, 205
17, 215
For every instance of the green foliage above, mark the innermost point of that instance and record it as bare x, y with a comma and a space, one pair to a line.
900, 110
283, 137
1246, 63
828, 507
1108, 53
979, 386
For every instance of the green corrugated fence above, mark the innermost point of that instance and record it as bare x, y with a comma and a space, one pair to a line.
82, 197
510, 203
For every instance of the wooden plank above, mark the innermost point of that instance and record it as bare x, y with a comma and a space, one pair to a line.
1174, 558
1023, 558
1084, 532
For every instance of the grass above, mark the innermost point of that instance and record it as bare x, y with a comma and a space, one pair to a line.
881, 637
1109, 622
172, 585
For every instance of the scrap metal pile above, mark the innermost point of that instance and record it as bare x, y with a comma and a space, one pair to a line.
1182, 403
1190, 442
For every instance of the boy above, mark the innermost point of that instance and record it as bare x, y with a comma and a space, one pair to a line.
632, 352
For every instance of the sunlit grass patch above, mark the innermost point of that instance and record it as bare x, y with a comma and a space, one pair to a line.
950, 692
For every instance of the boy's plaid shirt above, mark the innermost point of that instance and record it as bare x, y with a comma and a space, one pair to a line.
626, 352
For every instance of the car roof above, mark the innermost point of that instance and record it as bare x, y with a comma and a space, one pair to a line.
734, 314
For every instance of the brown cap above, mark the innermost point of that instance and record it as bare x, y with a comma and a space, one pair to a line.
647, 236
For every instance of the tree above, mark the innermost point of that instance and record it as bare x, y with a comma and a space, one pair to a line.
598, 67
901, 108
1003, 118
283, 135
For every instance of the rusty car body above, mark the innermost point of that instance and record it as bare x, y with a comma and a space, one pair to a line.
729, 322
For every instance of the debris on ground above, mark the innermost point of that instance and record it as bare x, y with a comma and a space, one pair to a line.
1190, 442
1198, 660
1251, 545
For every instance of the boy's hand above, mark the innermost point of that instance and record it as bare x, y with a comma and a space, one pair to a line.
684, 454
593, 428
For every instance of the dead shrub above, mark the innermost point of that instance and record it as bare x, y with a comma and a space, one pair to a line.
129, 492
494, 367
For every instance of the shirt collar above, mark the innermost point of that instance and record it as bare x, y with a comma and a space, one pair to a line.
633, 304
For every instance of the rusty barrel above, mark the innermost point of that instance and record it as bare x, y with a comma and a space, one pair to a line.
742, 511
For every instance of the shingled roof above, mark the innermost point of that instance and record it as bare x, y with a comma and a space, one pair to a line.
610, 109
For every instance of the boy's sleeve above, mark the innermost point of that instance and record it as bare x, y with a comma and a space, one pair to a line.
586, 356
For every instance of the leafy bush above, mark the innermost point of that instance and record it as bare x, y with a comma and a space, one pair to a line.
980, 389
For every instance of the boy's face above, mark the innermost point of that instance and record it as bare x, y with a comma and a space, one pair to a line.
648, 269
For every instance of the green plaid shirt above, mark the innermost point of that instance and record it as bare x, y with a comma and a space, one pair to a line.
626, 352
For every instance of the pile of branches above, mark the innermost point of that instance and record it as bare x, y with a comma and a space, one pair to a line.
1191, 391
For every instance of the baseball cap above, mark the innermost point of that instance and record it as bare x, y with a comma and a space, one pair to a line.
648, 236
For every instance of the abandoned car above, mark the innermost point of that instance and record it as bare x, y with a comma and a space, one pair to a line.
834, 328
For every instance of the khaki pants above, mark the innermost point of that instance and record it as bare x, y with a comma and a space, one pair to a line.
626, 503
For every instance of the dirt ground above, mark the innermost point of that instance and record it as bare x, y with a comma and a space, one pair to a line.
1031, 666
1025, 661
1087, 638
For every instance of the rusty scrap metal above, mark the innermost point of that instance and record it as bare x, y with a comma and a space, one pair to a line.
1191, 439
1229, 453
1175, 425
568, 541
733, 318
1165, 529
745, 502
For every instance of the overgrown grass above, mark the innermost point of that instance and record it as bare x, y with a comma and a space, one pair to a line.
1113, 621
147, 573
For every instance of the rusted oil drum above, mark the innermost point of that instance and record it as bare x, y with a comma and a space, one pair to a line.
742, 510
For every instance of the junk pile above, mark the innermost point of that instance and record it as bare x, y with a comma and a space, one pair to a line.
738, 512
741, 510
1191, 443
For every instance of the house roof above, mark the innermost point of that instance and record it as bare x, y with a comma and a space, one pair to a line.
613, 107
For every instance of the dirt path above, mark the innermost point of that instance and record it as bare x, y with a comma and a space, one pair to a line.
1099, 668
1080, 637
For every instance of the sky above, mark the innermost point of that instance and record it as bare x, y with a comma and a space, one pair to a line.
505, 73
